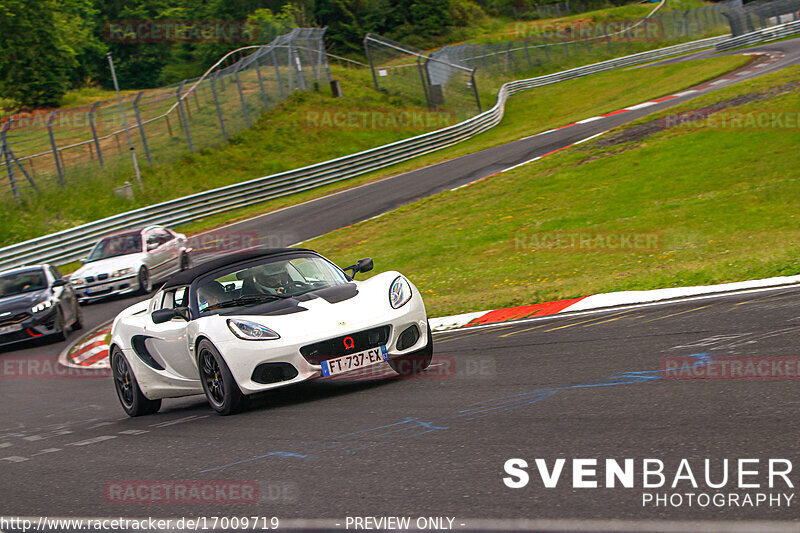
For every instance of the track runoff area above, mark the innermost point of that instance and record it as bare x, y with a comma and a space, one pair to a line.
667, 417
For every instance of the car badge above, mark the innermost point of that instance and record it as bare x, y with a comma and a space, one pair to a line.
342, 323
349, 343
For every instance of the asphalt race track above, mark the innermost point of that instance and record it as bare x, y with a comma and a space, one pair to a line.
586, 386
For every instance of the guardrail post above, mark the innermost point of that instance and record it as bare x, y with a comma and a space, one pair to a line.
183, 116
216, 104
241, 99
54, 148
141, 127
92, 125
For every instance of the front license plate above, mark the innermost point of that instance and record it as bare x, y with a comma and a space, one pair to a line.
10, 329
346, 363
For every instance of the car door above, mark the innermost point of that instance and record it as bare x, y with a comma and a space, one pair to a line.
157, 258
168, 342
173, 250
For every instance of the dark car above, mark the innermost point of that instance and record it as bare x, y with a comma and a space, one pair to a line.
36, 301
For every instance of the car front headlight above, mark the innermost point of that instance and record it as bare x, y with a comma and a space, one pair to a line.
399, 292
76, 281
121, 272
250, 331
41, 306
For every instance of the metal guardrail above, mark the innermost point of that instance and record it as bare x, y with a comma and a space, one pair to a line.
764, 34
69, 245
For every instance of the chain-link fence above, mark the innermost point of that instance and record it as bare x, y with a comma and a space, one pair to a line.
547, 48
761, 14
423, 79
40, 151
457, 71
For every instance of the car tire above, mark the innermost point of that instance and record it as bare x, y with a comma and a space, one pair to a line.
78, 324
186, 262
61, 328
133, 402
222, 391
415, 362
145, 283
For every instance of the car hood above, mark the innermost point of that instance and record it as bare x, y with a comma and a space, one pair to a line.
354, 306
107, 266
22, 302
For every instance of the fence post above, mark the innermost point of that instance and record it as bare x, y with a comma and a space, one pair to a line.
94, 133
183, 116
424, 83
141, 127
216, 104
54, 148
261, 85
278, 73
475, 90
241, 98
9, 166
5, 149
371, 66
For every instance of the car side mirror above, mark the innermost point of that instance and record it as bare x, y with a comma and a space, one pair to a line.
362, 265
165, 315
59, 283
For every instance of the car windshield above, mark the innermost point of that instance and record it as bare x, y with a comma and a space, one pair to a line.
270, 280
116, 245
21, 282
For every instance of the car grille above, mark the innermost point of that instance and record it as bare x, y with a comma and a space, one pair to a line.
101, 277
337, 347
16, 319
89, 279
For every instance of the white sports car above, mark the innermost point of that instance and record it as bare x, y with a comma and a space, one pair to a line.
248, 323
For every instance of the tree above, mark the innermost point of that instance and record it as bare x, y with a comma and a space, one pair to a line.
35, 62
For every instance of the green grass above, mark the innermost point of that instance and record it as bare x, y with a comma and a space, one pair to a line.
528, 113
723, 201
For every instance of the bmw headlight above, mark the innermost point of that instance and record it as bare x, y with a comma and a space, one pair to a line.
41, 306
250, 331
399, 292
76, 281
121, 272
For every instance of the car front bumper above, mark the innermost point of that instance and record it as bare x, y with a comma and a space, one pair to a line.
106, 288
35, 326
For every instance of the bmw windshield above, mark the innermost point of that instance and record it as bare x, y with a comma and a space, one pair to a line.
267, 281
116, 245
22, 282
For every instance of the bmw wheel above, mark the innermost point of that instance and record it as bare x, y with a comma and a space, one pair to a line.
221, 390
130, 395
145, 283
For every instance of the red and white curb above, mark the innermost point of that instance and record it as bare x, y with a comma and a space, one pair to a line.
603, 301
90, 351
